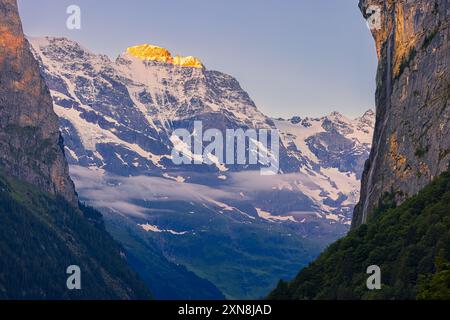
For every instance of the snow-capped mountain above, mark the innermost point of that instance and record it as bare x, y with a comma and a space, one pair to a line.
332, 151
333, 141
133, 105
117, 119
119, 115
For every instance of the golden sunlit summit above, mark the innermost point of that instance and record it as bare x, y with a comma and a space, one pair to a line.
155, 53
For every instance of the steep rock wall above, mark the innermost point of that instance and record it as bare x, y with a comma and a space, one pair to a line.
30, 141
412, 140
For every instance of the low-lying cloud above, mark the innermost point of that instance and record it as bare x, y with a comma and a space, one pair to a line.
104, 190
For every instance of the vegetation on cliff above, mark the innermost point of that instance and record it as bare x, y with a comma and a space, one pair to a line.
410, 243
42, 235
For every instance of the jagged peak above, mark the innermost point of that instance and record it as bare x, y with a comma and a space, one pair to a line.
49, 40
159, 54
337, 116
369, 113
67, 45
368, 116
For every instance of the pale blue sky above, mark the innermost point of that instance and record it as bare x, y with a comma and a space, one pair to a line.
294, 57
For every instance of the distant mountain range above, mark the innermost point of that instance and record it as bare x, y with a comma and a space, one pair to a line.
230, 227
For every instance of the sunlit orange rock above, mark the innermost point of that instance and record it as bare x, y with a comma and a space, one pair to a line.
155, 53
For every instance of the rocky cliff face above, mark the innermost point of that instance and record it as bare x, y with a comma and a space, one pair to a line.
41, 234
30, 142
412, 140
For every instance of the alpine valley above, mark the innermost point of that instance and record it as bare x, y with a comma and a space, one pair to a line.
199, 231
